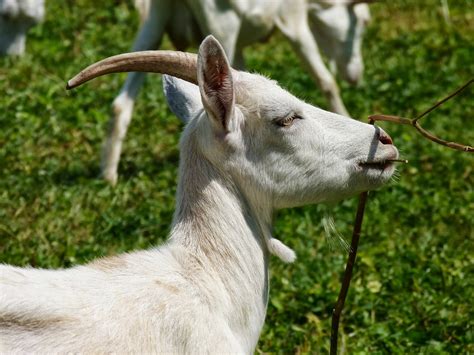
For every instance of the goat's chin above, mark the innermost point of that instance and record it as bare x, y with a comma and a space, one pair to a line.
376, 177
326, 197
366, 179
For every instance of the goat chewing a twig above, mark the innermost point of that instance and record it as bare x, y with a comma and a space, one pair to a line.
250, 149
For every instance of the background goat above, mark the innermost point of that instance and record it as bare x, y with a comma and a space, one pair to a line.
237, 24
16, 18
252, 148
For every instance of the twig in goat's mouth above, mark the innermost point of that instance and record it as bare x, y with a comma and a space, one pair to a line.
382, 163
404, 161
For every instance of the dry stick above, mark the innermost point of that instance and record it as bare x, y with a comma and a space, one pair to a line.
346, 281
414, 122
336, 313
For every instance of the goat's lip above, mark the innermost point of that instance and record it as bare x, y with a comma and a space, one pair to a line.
376, 164
381, 163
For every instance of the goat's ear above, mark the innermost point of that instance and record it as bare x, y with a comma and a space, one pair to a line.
183, 97
215, 82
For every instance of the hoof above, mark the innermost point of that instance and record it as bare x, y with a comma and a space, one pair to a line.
110, 177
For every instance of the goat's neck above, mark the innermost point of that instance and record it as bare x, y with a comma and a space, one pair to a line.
217, 224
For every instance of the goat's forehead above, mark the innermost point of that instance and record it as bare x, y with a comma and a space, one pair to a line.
258, 93
251, 81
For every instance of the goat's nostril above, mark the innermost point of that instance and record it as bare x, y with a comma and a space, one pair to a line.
384, 138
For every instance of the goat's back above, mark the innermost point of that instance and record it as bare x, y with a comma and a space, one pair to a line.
142, 302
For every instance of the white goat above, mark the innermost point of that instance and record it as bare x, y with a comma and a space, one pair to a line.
338, 27
16, 18
252, 148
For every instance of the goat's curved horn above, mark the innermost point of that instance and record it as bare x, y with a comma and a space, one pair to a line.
178, 64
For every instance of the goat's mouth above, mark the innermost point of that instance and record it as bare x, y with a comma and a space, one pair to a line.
376, 172
378, 164
384, 163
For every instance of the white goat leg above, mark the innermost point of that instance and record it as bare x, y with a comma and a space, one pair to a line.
293, 23
16, 18
223, 25
149, 37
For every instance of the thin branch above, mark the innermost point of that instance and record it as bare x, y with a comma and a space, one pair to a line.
336, 313
414, 122
450, 96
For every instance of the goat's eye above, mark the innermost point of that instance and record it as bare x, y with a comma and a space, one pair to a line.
288, 121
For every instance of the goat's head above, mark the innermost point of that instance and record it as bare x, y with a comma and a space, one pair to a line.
16, 18
276, 147
339, 27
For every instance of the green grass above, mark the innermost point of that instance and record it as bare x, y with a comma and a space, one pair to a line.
413, 284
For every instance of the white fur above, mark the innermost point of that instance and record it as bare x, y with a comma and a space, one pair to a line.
16, 18
237, 24
206, 289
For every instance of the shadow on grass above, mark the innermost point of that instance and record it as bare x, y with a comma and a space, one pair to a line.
74, 174
129, 168
151, 165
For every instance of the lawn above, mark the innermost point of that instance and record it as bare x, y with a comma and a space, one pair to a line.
413, 284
